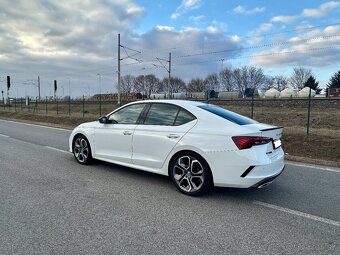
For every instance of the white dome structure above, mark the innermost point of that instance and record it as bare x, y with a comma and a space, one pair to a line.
305, 92
272, 93
288, 93
261, 93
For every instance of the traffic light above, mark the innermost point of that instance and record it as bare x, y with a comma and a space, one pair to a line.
8, 82
55, 85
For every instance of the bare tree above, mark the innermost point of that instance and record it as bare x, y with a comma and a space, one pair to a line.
248, 77
196, 85
212, 82
127, 84
177, 85
151, 84
278, 82
146, 84
227, 79
237, 77
254, 76
299, 77
139, 84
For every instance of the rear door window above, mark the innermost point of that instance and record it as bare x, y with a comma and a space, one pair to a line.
161, 114
183, 117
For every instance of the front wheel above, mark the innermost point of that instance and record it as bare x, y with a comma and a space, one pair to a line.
191, 174
82, 150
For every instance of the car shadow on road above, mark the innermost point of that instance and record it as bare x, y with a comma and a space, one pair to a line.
276, 189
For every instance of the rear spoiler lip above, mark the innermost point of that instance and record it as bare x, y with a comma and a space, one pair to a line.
268, 129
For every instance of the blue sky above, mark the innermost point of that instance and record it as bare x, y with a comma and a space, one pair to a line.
76, 40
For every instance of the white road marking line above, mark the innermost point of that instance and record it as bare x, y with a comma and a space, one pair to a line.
4, 135
56, 149
323, 168
36, 125
298, 213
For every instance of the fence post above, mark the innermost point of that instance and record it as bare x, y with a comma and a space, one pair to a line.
309, 106
83, 106
46, 104
36, 104
21, 103
57, 107
100, 105
252, 105
69, 106
15, 104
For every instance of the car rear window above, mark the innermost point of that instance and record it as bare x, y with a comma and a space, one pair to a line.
228, 115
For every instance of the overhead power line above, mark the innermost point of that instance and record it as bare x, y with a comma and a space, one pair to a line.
260, 46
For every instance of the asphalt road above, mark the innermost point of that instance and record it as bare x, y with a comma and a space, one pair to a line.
49, 204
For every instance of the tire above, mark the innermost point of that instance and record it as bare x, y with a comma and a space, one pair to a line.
190, 174
82, 150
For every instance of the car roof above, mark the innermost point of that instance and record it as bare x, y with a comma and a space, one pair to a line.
172, 101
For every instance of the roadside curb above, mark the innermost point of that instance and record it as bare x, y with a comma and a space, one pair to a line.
318, 162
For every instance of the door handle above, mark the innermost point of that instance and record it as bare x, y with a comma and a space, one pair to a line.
127, 133
172, 136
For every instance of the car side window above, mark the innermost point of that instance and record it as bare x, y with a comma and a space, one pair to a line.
128, 114
184, 117
161, 114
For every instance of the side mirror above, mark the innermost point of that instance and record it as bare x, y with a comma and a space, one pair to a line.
105, 120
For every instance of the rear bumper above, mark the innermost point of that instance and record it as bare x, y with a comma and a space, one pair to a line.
251, 168
266, 181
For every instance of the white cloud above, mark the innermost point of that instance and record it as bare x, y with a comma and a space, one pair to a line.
330, 5
265, 27
319, 51
313, 12
235, 38
212, 29
322, 10
243, 10
196, 19
165, 28
284, 19
185, 6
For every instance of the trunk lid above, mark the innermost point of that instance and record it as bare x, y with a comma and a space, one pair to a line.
270, 131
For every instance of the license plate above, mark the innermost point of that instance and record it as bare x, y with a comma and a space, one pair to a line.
277, 144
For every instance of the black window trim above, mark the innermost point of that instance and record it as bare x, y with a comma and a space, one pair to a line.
146, 111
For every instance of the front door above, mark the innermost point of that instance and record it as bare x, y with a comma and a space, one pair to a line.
113, 142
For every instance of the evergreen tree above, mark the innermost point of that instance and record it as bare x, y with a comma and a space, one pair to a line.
334, 81
313, 84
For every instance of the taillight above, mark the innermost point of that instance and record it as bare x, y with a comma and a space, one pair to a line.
246, 142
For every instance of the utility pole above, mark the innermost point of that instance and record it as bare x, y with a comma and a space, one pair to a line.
168, 69
69, 88
39, 86
222, 60
8, 86
118, 88
169, 82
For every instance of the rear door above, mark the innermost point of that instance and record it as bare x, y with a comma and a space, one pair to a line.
164, 125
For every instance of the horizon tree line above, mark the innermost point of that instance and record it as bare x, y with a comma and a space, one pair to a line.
229, 79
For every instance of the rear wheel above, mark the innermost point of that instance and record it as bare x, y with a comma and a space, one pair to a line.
190, 173
82, 150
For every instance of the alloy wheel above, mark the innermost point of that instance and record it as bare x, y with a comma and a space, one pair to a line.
81, 149
188, 173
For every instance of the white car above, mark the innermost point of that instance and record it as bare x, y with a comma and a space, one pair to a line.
197, 144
